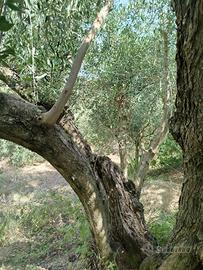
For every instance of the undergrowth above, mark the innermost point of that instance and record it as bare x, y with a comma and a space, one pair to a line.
52, 227
50, 231
162, 227
17, 155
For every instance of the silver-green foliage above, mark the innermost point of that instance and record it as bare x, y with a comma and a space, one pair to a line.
45, 36
121, 87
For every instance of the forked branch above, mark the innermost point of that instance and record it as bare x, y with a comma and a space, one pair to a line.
50, 118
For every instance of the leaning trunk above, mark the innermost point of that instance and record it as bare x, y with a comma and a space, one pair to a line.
113, 210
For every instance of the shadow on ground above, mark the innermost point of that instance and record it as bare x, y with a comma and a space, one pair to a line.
20, 189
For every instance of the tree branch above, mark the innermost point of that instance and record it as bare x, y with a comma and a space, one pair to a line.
50, 118
18, 124
114, 213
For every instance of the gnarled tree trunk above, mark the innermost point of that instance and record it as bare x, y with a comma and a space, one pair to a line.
113, 210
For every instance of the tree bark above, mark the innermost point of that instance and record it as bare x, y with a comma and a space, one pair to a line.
187, 128
186, 242
113, 210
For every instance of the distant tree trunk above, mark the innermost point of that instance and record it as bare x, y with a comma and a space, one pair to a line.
123, 154
149, 154
162, 129
137, 151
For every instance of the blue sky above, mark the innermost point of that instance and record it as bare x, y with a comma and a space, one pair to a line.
122, 1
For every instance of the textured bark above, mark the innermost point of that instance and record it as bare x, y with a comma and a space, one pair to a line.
187, 129
12, 80
113, 210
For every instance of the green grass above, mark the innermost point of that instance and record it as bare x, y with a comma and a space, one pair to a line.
51, 230
162, 227
53, 226
17, 155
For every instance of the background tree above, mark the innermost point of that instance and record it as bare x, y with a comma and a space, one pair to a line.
123, 89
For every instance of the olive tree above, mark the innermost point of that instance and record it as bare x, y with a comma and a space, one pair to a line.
115, 215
